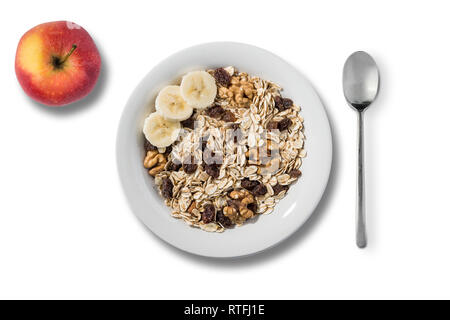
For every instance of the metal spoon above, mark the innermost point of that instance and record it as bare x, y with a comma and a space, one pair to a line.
361, 81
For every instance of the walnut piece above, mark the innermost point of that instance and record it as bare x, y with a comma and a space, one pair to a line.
240, 93
230, 212
241, 198
246, 213
154, 161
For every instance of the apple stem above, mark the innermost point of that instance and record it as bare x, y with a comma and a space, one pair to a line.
69, 54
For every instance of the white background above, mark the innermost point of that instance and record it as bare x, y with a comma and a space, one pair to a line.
66, 230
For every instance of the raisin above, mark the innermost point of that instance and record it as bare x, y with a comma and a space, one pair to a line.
295, 173
189, 123
248, 184
259, 190
209, 214
253, 207
278, 102
223, 220
174, 166
148, 146
215, 112
222, 77
189, 165
283, 103
166, 188
213, 170
255, 187
287, 103
228, 116
168, 150
284, 124
272, 125
278, 188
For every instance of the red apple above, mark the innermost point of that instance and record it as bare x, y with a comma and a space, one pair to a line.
57, 63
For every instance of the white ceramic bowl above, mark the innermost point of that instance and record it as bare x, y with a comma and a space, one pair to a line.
268, 230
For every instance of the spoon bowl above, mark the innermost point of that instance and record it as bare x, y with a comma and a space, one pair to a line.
360, 80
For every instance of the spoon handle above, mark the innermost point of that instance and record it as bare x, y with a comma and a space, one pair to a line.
361, 239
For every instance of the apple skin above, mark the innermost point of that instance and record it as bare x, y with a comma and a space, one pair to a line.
44, 73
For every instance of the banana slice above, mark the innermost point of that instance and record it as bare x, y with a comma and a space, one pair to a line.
171, 105
159, 131
199, 89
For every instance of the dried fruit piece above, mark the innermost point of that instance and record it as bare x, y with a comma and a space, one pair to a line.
278, 188
168, 150
287, 103
272, 125
209, 214
215, 112
189, 165
189, 123
222, 77
148, 146
173, 166
259, 190
167, 188
278, 102
219, 113
249, 184
228, 116
213, 170
294, 173
284, 124
283, 103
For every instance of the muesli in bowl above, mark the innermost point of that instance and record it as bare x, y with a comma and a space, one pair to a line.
223, 147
